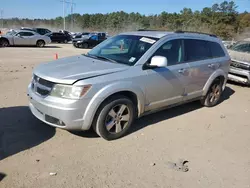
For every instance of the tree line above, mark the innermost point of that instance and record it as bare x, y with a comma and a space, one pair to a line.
220, 19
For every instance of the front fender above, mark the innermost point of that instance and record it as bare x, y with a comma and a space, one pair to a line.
217, 73
8, 39
107, 91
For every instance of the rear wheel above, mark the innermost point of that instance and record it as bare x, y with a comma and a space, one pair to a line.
114, 118
40, 43
213, 95
65, 41
85, 45
4, 43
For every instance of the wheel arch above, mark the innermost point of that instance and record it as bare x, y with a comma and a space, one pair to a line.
40, 40
4, 38
217, 75
134, 93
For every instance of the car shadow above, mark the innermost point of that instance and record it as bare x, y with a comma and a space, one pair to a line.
160, 116
237, 84
174, 112
2, 176
20, 130
86, 134
46, 46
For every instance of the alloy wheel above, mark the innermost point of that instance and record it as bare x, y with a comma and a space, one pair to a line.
215, 93
117, 118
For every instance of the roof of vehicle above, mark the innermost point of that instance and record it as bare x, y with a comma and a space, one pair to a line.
160, 34
57, 33
247, 39
27, 31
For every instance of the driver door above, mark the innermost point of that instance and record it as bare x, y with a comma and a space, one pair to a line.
166, 85
22, 38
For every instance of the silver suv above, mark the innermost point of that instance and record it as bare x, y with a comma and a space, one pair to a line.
126, 77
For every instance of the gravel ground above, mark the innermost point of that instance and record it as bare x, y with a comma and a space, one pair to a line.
214, 141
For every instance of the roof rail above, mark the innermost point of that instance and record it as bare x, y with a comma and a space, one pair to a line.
180, 31
146, 30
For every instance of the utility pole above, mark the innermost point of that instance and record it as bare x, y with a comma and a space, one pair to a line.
72, 19
2, 17
64, 15
71, 4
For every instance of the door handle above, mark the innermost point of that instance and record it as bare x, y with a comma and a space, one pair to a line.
211, 65
182, 71
214, 66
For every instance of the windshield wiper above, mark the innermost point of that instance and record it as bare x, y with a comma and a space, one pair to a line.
101, 57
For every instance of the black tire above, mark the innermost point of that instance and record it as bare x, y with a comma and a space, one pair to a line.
75, 45
65, 41
100, 124
4, 43
40, 43
213, 95
85, 45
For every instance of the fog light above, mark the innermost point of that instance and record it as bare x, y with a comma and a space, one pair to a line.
54, 120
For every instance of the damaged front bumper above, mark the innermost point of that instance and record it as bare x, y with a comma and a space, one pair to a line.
239, 75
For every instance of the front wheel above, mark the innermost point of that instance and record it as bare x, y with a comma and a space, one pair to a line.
213, 95
85, 45
4, 43
114, 118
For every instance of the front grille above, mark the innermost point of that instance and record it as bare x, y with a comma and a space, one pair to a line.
41, 86
42, 91
239, 65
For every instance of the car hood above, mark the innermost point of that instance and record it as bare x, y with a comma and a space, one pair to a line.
240, 56
71, 69
6, 36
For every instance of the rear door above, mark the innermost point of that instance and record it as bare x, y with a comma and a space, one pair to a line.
202, 65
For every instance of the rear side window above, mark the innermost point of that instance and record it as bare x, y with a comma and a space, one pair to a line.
25, 34
196, 50
216, 50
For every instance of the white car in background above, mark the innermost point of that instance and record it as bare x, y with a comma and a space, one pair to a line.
240, 66
24, 38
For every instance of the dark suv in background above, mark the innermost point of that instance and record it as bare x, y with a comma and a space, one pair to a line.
89, 41
59, 37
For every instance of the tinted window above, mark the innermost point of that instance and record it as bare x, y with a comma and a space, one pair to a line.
172, 50
60, 34
57, 34
241, 47
27, 34
42, 31
216, 50
196, 50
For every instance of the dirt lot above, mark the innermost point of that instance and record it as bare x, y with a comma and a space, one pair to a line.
215, 141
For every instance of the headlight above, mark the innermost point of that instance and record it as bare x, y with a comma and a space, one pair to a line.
69, 92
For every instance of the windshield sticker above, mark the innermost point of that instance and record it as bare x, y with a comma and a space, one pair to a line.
147, 40
132, 59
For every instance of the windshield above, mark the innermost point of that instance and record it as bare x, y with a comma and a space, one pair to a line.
125, 49
11, 33
241, 47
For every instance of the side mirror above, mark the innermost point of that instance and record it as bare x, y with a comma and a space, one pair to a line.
158, 61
